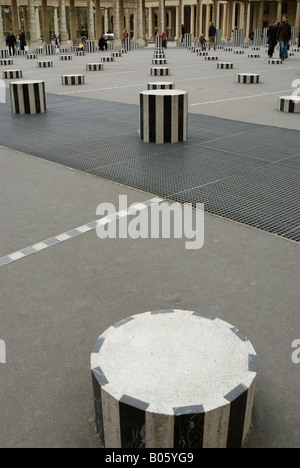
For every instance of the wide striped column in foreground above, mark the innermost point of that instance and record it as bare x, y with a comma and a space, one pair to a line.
290, 104
173, 379
163, 116
28, 97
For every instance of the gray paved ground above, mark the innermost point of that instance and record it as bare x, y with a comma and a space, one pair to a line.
56, 302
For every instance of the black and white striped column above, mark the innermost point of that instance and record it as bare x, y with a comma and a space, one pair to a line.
160, 71
225, 65
275, 62
116, 53
31, 56
158, 42
50, 49
80, 53
211, 57
253, 56
3, 53
163, 116
188, 38
45, 64
39, 51
6, 62
160, 85
127, 43
94, 66
28, 97
107, 59
246, 78
159, 61
91, 46
202, 54
72, 79
290, 104
173, 379
239, 52
12, 74
65, 57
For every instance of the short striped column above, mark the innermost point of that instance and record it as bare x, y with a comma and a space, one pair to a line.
246, 78
160, 71
160, 85
290, 104
45, 64
50, 49
202, 54
62, 50
158, 55
174, 379
110, 46
28, 97
80, 53
72, 80
6, 62
116, 53
94, 66
163, 116
239, 52
255, 48
39, 51
275, 62
188, 40
227, 49
3, 53
65, 57
31, 56
107, 59
12, 74
211, 58
159, 61
21, 52
253, 56
225, 65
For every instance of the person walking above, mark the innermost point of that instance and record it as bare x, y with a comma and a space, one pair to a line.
164, 40
212, 35
11, 42
22, 40
272, 38
182, 32
284, 36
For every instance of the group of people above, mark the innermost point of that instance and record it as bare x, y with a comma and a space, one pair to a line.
12, 42
279, 34
212, 32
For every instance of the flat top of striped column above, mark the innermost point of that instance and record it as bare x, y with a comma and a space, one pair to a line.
248, 74
171, 359
225, 63
164, 92
23, 82
161, 83
73, 74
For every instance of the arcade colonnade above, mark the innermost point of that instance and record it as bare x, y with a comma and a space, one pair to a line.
143, 19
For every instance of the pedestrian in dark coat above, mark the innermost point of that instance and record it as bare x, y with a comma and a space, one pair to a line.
11, 41
272, 38
22, 40
284, 36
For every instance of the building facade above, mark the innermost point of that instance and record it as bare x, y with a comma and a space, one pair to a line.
143, 19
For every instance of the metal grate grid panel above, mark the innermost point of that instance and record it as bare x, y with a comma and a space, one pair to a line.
244, 172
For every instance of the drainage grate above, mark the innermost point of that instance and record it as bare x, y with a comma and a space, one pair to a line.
244, 172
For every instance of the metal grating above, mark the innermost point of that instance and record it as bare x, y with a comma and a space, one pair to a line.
244, 172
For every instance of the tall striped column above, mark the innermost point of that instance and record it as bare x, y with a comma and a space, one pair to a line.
164, 116
173, 379
28, 97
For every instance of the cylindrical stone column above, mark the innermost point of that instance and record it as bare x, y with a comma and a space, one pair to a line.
72, 80
73, 31
162, 16
164, 116
160, 85
2, 39
32, 26
28, 97
91, 26
45, 21
15, 17
63, 23
173, 379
